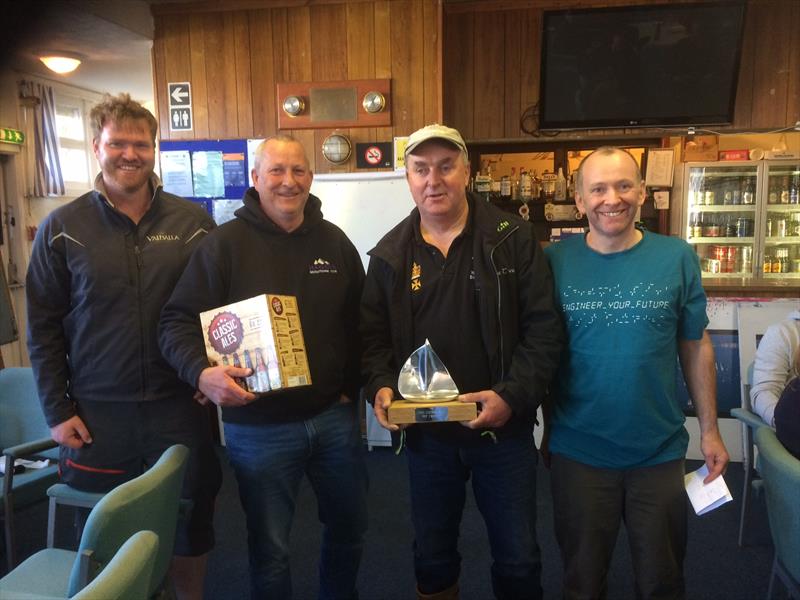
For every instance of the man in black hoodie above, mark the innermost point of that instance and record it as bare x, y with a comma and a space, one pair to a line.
280, 244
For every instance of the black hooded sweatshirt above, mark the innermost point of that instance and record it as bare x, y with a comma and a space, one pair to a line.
251, 255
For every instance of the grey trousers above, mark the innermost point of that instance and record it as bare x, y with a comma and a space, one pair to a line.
589, 504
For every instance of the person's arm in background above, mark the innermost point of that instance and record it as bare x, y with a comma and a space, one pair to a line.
699, 371
772, 369
48, 292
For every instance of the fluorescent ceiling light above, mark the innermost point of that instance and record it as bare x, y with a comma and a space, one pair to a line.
60, 64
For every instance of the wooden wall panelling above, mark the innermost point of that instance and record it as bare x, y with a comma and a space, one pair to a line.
220, 76
197, 59
297, 53
458, 72
405, 23
383, 58
743, 111
244, 95
489, 76
177, 66
771, 77
512, 64
431, 63
280, 45
328, 63
529, 68
360, 59
793, 90
262, 74
160, 81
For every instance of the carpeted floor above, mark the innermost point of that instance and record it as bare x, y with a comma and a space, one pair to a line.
716, 568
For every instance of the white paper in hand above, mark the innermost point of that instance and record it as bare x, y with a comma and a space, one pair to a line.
705, 497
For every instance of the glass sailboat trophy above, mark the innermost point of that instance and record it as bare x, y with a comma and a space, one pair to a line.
424, 378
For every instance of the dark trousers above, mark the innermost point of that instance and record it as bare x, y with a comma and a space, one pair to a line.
504, 483
589, 504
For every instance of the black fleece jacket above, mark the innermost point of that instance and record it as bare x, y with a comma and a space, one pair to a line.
251, 255
520, 326
95, 287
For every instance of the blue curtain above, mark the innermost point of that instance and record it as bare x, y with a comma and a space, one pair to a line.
47, 178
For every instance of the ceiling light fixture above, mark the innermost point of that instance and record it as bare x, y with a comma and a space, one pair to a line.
61, 62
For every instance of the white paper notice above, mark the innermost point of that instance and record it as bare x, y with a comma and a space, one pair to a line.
176, 172
705, 497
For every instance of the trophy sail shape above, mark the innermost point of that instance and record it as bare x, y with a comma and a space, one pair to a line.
424, 378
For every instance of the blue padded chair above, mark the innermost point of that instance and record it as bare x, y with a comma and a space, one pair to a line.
148, 502
780, 472
750, 423
23, 434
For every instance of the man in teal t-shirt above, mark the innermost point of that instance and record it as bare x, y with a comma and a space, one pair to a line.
633, 304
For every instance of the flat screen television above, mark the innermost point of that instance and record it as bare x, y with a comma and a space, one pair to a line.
641, 66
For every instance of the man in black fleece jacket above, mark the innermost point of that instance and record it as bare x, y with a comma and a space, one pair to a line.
280, 244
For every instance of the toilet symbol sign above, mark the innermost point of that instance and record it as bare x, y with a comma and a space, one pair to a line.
180, 119
180, 106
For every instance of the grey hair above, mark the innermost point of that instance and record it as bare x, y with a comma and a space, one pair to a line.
282, 137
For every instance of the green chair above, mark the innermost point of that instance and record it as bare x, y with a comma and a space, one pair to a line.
780, 472
148, 502
23, 434
750, 423
129, 574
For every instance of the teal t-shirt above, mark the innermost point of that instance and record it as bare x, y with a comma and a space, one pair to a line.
614, 397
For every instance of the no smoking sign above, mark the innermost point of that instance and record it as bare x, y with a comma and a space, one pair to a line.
375, 155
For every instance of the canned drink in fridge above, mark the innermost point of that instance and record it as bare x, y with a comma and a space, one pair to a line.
712, 265
731, 259
780, 227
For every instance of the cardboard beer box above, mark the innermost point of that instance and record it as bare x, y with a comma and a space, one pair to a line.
404, 411
262, 333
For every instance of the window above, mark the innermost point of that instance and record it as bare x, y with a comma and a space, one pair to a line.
74, 144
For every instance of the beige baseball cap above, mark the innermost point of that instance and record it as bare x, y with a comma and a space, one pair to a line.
435, 131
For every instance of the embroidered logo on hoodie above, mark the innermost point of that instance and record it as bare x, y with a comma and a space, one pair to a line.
322, 266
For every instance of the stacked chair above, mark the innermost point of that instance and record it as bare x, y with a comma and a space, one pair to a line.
149, 502
23, 434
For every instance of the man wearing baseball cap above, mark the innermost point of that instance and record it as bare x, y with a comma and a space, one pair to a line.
473, 281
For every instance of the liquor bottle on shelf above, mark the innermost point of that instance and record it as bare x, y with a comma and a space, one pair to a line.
505, 188
784, 197
548, 185
773, 196
711, 197
748, 191
536, 186
727, 194
515, 182
525, 189
794, 189
730, 225
700, 193
561, 186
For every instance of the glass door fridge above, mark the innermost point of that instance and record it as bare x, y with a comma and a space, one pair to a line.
781, 225
743, 219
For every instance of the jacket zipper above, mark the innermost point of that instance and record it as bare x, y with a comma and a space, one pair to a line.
139, 264
500, 300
